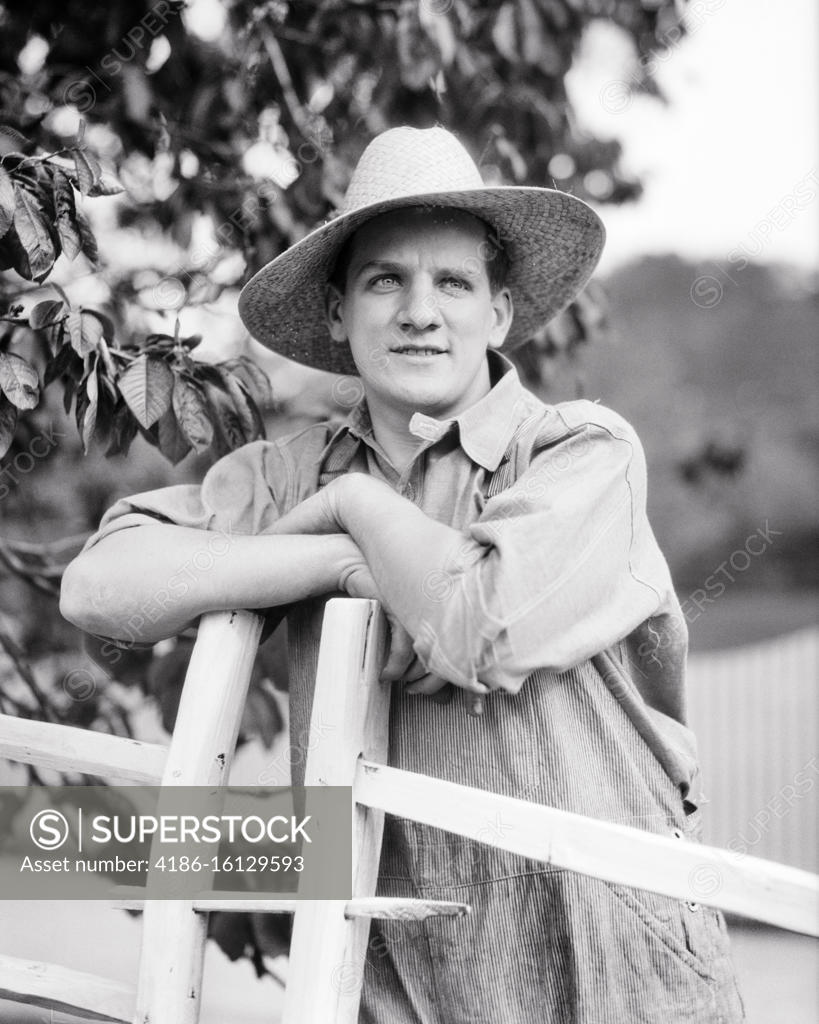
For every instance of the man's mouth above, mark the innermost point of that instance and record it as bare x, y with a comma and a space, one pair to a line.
416, 350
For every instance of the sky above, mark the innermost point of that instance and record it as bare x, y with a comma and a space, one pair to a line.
731, 165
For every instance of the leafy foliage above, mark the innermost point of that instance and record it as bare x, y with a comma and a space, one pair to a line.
117, 392
39, 218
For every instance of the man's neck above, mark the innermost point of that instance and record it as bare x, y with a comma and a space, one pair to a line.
390, 422
391, 430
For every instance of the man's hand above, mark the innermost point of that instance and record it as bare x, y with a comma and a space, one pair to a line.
357, 581
323, 512
402, 663
326, 512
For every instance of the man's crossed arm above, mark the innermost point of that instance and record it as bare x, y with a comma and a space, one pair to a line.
557, 568
107, 589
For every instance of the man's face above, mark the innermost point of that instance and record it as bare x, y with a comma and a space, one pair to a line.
418, 311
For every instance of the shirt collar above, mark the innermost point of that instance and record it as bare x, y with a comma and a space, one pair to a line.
358, 423
485, 429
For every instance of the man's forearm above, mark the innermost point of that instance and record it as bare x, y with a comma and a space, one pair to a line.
148, 582
409, 554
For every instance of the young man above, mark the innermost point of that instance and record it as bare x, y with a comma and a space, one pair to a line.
535, 632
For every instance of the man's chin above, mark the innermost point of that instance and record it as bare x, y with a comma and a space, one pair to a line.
439, 393
429, 398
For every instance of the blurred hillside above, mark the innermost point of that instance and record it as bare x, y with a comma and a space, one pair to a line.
724, 401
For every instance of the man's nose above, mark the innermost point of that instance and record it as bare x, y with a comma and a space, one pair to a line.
420, 310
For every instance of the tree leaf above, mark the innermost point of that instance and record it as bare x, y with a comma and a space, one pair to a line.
19, 381
229, 434
89, 416
171, 441
504, 34
8, 424
91, 332
89, 171
7, 252
65, 363
106, 186
105, 355
123, 431
44, 173
191, 412
66, 214
56, 333
107, 323
44, 314
106, 406
69, 390
147, 386
7, 201
73, 324
108, 390
12, 254
246, 409
530, 32
84, 330
253, 377
88, 242
33, 234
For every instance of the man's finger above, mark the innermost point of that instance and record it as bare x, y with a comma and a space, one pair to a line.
416, 670
427, 684
481, 689
442, 692
401, 653
475, 705
313, 515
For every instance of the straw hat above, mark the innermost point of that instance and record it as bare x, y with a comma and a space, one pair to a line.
553, 242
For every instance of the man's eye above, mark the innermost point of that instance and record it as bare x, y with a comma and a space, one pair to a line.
455, 283
385, 281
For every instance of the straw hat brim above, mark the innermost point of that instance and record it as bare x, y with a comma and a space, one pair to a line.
553, 241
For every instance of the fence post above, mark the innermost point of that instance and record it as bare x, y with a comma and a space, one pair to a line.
200, 754
351, 715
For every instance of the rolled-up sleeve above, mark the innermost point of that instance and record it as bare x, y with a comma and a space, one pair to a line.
242, 493
559, 566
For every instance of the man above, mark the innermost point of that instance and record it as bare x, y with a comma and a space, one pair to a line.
534, 628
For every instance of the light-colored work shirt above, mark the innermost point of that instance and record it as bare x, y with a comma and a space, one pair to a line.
562, 603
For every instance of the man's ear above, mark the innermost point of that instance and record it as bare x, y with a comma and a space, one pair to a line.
504, 312
333, 310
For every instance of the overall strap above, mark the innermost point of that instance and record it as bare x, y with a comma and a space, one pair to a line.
534, 431
336, 462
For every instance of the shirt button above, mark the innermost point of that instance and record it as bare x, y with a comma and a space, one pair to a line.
692, 906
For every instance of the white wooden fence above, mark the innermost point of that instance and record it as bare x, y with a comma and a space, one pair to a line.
755, 712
